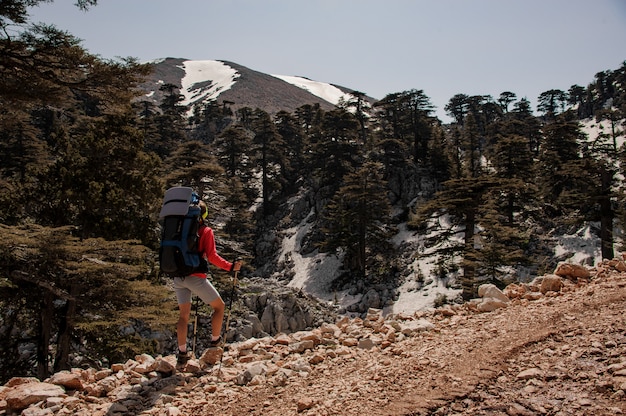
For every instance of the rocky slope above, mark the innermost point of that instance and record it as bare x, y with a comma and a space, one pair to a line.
556, 346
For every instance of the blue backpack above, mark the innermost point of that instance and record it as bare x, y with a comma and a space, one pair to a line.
180, 221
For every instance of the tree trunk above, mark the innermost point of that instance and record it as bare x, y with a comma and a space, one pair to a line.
66, 328
362, 256
9, 344
510, 209
44, 330
606, 216
469, 268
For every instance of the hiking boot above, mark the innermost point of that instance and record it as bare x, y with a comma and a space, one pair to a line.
182, 358
216, 343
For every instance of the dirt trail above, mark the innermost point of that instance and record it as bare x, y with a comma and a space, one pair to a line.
554, 356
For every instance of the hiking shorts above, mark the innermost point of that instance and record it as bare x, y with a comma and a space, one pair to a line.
201, 287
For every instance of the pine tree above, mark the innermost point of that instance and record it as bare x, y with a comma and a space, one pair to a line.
604, 197
506, 98
239, 225
22, 156
512, 160
559, 163
601, 157
149, 119
297, 147
440, 164
358, 217
170, 122
576, 98
337, 151
269, 155
361, 108
192, 164
406, 116
209, 120
471, 148
523, 123
501, 244
231, 147
551, 103
49, 86
398, 165
59, 291
102, 181
461, 201
457, 108
310, 118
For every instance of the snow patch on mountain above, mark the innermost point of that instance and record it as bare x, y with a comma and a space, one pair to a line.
582, 247
322, 90
313, 273
206, 80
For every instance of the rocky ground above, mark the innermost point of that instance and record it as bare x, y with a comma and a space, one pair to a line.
553, 347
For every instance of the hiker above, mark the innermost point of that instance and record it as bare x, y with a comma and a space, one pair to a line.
198, 284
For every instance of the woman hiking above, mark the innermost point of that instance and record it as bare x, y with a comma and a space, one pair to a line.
198, 284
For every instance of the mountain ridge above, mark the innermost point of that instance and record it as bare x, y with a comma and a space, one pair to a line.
250, 88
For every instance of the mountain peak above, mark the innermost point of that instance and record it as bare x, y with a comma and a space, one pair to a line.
203, 80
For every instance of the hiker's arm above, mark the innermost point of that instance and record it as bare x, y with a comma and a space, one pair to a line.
211, 253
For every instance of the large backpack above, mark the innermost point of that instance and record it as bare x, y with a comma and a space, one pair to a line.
180, 220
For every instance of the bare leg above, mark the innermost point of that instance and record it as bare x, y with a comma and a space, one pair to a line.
218, 317
183, 320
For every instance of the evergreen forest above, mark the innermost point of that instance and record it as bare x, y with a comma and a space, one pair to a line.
84, 163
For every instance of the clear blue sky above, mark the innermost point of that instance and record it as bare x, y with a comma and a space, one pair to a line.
444, 47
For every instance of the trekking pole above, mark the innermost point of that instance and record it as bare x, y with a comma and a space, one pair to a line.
230, 306
195, 328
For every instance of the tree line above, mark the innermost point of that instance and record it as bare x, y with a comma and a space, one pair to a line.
84, 163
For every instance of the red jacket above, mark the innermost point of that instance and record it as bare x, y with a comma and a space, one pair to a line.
206, 246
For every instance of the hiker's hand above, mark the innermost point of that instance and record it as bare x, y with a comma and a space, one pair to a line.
237, 265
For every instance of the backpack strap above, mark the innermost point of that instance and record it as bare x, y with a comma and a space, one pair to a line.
202, 229
204, 264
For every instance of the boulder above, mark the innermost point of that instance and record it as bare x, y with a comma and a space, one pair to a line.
490, 304
249, 373
165, 365
23, 395
551, 283
572, 271
211, 356
492, 298
71, 381
491, 291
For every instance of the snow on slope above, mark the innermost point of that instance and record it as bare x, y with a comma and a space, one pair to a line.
207, 79
413, 295
196, 85
594, 130
314, 273
323, 90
